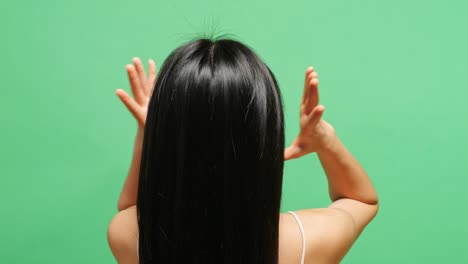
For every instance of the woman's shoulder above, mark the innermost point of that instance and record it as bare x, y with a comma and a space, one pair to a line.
329, 234
122, 235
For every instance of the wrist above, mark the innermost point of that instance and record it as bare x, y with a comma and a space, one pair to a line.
139, 137
140, 132
326, 136
330, 144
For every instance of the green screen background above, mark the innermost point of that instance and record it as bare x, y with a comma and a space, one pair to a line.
393, 81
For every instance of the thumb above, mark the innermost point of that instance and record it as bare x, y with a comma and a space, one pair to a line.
315, 115
292, 152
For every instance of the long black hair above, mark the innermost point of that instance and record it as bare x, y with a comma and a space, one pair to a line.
212, 162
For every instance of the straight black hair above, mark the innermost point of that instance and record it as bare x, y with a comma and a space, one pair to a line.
212, 160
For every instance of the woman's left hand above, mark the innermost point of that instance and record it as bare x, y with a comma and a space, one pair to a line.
141, 86
316, 134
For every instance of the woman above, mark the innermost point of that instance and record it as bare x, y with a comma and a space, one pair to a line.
211, 144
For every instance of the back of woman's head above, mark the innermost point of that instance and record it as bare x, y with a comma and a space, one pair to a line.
212, 161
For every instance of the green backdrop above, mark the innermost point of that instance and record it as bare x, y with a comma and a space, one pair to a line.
393, 80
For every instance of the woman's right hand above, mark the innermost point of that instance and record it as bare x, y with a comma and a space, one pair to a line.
141, 86
316, 134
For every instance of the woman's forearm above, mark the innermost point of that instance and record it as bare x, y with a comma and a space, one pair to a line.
346, 177
128, 196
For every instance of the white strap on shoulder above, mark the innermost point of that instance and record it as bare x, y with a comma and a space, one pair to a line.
302, 234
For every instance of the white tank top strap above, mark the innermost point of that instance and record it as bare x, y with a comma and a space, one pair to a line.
302, 234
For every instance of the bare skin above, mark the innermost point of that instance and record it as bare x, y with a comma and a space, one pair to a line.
330, 232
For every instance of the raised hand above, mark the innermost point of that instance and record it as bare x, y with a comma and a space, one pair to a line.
315, 132
141, 86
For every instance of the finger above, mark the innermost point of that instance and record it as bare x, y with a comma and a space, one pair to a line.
314, 117
306, 81
140, 69
312, 96
131, 105
151, 75
135, 84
